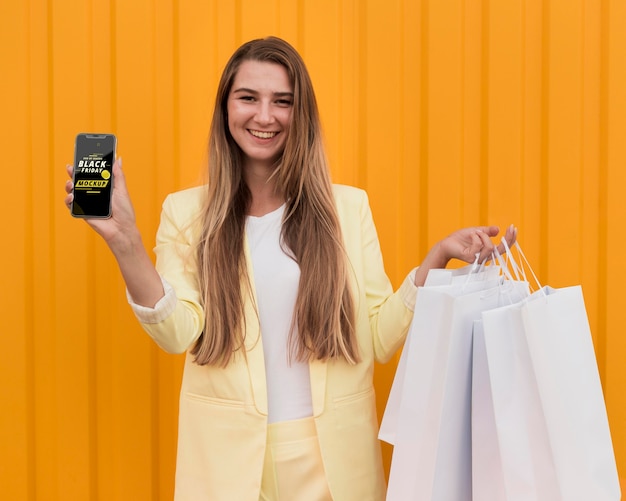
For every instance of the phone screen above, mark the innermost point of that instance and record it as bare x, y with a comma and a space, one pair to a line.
94, 155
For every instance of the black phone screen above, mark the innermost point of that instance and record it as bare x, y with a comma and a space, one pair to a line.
94, 155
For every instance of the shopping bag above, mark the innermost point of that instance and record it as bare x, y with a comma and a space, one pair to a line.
487, 467
511, 456
562, 353
539, 424
432, 449
458, 277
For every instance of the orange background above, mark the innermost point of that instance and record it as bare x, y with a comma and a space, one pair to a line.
449, 112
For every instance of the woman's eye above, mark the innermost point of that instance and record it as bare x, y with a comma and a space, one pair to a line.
284, 102
246, 98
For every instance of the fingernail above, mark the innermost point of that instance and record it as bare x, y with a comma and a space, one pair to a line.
120, 161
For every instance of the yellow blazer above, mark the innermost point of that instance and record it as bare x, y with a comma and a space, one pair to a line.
223, 411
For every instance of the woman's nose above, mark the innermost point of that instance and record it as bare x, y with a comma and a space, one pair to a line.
264, 113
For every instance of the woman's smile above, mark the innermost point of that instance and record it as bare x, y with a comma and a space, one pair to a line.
263, 134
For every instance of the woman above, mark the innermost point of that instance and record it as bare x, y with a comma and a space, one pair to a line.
272, 280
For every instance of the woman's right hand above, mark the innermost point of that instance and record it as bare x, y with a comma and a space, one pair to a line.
120, 228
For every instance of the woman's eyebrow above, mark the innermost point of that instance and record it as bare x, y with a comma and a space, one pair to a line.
252, 91
245, 89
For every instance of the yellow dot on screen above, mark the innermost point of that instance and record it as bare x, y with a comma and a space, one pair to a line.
105, 174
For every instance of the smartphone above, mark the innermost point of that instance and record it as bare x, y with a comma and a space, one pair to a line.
94, 155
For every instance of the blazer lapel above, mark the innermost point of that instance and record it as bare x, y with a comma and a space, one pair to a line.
253, 341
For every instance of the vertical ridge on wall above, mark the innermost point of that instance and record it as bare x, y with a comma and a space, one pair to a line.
44, 356
361, 124
27, 488
294, 35
424, 119
469, 126
345, 107
484, 64
92, 97
542, 258
531, 133
238, 21
161, 51
563, 215
501, 93
411, 108
602, 243
176, 90
401, 221
590, 175
113, 107
46, 391
616, 222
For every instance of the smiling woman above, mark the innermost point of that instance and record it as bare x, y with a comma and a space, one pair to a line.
277, 395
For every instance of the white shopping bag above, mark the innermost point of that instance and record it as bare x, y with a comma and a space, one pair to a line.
536, 374
561, 349
432, 452
436, 277
487, 467
511, 457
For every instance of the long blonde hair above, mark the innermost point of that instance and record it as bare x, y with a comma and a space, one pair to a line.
324, 314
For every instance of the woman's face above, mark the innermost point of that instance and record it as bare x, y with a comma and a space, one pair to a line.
259, 111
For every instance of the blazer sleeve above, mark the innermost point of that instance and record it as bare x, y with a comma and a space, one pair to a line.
176, 262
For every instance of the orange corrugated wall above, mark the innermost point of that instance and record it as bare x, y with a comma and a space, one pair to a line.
449, 112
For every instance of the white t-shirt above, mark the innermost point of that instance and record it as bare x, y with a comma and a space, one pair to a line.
276, 279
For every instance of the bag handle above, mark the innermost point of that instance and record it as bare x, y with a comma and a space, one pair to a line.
476, 269
524, 260
504, 266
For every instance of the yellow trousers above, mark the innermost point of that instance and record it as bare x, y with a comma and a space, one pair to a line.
293, 466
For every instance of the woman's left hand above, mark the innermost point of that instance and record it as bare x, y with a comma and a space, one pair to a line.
468, 245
